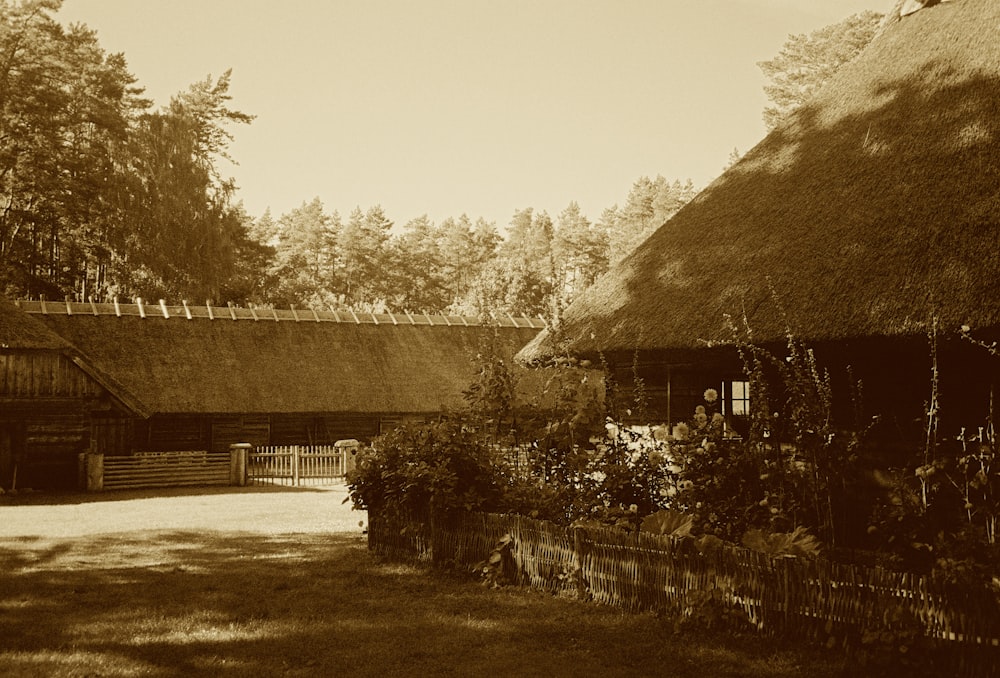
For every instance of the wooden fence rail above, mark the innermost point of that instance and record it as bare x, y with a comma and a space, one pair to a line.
794, 597
165, 469
297, 464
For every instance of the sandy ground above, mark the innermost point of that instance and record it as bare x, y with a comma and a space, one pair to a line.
261, 510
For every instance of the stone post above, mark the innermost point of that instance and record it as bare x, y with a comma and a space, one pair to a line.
348, 453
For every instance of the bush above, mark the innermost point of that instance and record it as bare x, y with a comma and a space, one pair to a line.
415, 470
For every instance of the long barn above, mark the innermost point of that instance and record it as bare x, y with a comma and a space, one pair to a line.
127, 378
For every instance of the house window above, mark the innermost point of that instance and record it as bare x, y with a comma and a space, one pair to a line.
736, 398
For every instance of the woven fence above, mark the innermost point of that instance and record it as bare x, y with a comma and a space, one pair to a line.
790, 597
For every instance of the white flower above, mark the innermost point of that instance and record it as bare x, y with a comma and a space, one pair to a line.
711, 395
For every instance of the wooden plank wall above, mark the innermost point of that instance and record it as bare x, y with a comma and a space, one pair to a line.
35, 375
51, 447
312, 429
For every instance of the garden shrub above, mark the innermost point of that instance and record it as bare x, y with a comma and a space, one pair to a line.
414, 470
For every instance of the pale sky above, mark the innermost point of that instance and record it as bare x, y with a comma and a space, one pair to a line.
444, 107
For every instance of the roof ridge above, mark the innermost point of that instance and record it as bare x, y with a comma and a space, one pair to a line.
186, 311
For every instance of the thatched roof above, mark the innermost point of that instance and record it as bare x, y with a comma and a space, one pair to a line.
872, 208
318, 363
22, 332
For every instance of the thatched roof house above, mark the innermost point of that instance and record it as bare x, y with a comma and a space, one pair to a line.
178, 377
872, 209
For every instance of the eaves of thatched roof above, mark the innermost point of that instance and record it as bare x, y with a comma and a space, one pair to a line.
243, 361
871, 209
19, 331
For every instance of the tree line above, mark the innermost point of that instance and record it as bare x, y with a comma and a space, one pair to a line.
460, 265
102, 195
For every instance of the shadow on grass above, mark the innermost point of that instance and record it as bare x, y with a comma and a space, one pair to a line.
192, 603
69, 497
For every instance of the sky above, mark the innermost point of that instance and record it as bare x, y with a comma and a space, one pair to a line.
450, 107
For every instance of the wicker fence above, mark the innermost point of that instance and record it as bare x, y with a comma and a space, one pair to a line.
791, 597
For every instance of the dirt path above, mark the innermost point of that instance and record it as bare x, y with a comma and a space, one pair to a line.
261, 510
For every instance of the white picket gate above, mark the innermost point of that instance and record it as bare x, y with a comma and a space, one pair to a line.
297, 465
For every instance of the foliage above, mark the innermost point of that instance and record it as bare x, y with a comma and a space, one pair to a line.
650, 203
797, 543
98, 195
493, 569
431, 469
103, 196
894, 644
805, 62
707, 611
939, 514
668, 523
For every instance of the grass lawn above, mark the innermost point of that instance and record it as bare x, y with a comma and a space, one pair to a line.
267, 600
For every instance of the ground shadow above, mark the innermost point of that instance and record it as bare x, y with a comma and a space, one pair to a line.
195, 603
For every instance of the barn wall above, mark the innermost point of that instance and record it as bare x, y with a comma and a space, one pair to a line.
669, 393
321, 429
45, 405
36, 375
217, 432
41, 451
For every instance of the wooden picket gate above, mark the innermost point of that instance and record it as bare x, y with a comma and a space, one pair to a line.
298, 465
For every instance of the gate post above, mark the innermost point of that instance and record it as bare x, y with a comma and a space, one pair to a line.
295, 465
238, 454
95, 471
348, 454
